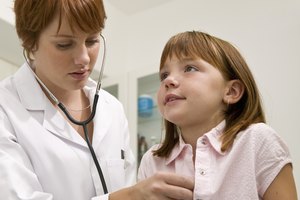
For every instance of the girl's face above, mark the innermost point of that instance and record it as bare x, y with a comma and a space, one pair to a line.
64, 60
191, 93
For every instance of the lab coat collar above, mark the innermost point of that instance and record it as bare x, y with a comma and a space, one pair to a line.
29, 91
34, 99
103, 117
103, 120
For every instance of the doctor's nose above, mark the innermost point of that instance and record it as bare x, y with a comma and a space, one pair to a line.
82, 57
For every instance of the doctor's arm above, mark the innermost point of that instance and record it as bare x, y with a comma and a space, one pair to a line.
161, 186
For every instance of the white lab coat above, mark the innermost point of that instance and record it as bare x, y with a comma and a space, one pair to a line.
43, 158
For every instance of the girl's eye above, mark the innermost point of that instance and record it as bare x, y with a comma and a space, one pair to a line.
190, 68
163, 76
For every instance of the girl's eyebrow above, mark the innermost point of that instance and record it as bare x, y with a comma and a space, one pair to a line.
186, 60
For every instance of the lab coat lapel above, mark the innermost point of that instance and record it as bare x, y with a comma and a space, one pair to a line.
34, 99
58, 125
102, 119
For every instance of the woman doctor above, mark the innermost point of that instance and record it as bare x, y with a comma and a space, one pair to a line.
43, 155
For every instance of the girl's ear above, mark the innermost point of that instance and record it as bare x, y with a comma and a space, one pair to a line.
234, 92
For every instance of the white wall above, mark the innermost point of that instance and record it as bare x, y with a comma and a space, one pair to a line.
6, 11
6, 69
266, 32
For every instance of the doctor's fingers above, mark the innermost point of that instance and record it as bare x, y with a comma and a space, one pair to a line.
177, 180
175, 192
177, 187
167, 186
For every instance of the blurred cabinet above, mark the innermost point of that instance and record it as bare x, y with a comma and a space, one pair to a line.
148, 116
145, 129
113, 89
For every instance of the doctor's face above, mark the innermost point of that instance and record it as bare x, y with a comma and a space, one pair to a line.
64, 59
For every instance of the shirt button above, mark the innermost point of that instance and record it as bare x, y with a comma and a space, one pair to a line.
203, 141
202, 172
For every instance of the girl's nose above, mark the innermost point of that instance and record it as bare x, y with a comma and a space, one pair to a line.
171, 82
82, 57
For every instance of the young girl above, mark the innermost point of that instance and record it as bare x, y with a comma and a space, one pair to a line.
43, 156
215, 130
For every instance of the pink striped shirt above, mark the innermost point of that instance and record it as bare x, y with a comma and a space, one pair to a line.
243, 172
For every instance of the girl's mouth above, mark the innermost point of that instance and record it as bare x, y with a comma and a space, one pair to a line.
172, 97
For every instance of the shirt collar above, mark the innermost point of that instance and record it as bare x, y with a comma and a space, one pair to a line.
181, 146
212, 137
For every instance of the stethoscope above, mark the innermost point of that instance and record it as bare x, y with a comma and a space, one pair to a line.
90, 118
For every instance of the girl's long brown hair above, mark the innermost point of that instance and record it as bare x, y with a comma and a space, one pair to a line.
226, 58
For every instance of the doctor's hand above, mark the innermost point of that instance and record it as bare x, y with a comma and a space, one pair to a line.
161, 186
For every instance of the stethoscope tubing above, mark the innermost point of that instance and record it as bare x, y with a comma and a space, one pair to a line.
84, 126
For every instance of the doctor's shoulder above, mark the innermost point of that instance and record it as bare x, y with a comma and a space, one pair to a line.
9, 106
6, 96
110, 99
8, 88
